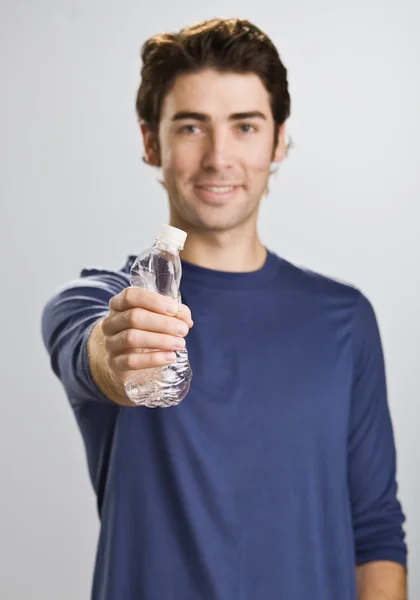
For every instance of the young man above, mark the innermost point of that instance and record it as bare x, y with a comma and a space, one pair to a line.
274, 479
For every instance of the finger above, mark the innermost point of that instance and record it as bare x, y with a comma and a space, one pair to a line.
131, 339
139, 318
124, 363
185, 313
134, 297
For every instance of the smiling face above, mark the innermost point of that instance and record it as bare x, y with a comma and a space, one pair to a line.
215, 148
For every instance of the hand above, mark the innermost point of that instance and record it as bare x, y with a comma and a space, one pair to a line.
143, 330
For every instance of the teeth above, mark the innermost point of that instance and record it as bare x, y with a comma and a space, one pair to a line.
220, 190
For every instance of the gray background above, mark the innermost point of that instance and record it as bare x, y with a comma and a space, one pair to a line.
74, 192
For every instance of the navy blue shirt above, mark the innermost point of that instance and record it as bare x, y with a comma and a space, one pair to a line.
275, 476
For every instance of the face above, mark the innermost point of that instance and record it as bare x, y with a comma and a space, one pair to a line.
215, 148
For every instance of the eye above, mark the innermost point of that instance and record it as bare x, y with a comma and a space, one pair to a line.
189, 128
247, 128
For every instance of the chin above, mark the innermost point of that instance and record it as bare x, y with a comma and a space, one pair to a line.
223, 221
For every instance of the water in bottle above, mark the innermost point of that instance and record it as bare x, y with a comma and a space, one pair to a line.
159, 270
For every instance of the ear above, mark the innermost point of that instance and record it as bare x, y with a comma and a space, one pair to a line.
151, 146
280, 150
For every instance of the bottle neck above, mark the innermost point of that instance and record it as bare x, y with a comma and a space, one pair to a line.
167, 246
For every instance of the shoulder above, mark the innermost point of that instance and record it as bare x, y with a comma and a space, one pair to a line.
332, 296
94, 285
100, 278
84, 297
98, 271
338, 302
316, 284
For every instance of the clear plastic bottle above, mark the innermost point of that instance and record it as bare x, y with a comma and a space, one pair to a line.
159, 270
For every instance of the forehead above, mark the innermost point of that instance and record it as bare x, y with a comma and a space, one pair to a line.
217, 94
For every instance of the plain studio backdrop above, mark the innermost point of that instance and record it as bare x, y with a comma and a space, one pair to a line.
74, 192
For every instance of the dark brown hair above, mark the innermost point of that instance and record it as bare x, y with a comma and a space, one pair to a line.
227, 45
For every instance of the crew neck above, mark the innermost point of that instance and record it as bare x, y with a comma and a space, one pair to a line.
228, 279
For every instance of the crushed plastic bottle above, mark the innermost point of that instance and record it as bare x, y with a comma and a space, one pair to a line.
159, 270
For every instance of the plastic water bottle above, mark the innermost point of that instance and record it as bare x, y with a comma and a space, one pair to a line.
159, 270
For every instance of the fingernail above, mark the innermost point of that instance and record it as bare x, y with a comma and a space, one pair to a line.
182, 328
170, 356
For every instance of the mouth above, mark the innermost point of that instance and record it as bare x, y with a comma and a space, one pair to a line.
216, 194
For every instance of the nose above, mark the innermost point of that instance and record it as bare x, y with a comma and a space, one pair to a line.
217, 152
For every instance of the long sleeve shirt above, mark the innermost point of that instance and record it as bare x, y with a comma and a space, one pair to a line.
276, 475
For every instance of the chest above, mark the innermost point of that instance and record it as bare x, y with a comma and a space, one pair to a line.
274, 372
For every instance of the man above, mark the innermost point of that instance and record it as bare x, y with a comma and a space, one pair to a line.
274, 479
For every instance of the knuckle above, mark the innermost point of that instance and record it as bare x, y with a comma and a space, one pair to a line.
105, 325
127, 293
129, 296
131, 362
186, 310
155, 359
152, 360
169, 325
134, 317
130, 338
114, 363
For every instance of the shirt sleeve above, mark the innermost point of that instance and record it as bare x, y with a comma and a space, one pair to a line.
376, 511
67, 320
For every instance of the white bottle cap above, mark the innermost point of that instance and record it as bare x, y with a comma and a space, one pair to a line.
173, 235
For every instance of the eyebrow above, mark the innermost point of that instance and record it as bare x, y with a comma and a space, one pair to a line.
196, 116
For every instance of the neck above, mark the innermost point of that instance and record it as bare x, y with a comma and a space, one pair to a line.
235, 250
